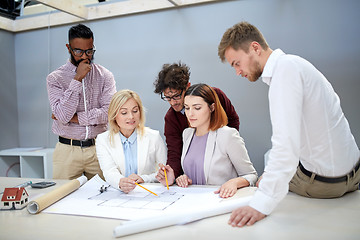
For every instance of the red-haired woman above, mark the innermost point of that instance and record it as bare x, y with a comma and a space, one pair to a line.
213, 154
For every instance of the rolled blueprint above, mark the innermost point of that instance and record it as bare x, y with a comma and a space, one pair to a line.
137, 226
46, 200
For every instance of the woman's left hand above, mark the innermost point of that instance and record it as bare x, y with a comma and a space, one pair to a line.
228, 189
183, 181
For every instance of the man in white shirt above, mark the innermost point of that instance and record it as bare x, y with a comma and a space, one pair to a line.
314, 153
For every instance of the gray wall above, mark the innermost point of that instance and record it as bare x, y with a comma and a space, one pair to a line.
325, 32
9, 133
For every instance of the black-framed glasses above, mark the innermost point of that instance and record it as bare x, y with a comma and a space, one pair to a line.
175, 97
79, 52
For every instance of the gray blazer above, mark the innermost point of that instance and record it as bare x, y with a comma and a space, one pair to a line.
151, 151
225, 156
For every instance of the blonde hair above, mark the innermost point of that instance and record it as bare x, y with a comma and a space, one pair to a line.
117, 101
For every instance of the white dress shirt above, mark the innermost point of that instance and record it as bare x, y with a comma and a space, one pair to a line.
307, 124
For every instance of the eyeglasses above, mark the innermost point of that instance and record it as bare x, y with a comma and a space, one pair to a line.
175, 97
79, 52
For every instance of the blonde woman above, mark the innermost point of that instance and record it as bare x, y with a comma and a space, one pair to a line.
129, 152
212, 154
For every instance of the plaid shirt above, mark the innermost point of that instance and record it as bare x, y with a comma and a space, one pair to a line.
66, 98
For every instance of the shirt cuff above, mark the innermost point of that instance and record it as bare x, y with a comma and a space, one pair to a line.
149, 178
263, 203
76, 86
83, 119
251, 178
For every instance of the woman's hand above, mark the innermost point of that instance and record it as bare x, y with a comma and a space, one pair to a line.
126, 185
229, 188
169, 173
183, 181
136, 178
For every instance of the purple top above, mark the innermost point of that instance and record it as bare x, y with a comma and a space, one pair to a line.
176, 123
193, 164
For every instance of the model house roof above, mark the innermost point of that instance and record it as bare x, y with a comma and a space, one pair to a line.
13, 194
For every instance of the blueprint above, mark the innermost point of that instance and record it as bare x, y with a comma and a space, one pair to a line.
137, 200
96, 198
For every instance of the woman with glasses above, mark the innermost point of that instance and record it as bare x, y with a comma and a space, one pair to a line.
213, 153
129, 152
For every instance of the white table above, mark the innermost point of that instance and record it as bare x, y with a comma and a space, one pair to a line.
295, 218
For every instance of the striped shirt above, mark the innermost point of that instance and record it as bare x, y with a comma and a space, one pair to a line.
66, 96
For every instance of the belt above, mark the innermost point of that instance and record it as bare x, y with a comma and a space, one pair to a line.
330, 179
80, 143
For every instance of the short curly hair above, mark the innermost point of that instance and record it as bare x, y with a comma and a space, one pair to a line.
175, 76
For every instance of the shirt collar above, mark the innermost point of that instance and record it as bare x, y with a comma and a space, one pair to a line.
70, 66
131, 139
270, 65
183, 111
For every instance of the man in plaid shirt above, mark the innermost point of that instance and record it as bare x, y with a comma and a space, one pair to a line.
79, 92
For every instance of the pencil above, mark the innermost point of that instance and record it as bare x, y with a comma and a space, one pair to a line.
146, 189
167, 184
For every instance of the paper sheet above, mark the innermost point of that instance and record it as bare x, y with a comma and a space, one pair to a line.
138, 204
183, 217
145, 210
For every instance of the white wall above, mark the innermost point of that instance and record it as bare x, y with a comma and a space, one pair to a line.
134, 48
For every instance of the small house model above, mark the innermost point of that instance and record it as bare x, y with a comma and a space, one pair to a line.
14, 198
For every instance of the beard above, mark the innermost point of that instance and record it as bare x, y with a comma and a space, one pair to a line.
256, 74
76, 63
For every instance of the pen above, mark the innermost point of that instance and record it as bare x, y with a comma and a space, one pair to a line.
167, 184
25, 184
146, 189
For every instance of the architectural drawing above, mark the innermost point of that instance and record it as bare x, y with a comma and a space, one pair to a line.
138, 201
97, 199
